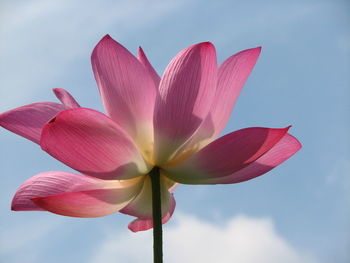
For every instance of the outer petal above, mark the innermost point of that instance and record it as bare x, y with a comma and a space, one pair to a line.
51, 183
232, 75
282, 151
66, 98
226, 155
28, 121
153, 73
90, 142
141, 206
185, 96
127, 90
96, 197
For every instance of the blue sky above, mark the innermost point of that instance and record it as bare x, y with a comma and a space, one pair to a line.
299, 212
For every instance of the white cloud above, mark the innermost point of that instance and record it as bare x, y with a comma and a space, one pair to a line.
19, 236
241, 240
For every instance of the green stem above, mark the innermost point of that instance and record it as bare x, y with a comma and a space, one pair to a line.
157, 216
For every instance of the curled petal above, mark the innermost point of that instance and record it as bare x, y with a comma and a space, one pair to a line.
127, 90
279, 153
92, 143
92, 203
28, 121
141, 206
66, 98
226, 156
74, 195
50, 183
186, 92
146, 224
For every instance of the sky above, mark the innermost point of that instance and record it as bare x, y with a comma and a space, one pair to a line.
298, 212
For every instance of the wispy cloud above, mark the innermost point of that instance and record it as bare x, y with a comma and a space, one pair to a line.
241, 239
41, 39
22, 241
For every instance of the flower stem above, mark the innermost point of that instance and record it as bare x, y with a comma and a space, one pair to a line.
157, 216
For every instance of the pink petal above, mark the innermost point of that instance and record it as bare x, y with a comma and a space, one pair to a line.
127, 89
141, 206
145, 224
92, 203
92, 143
28, 121
74, 195
226, 155
282, 151
66, 98
232, 75
186, 91
152, 72
51, 183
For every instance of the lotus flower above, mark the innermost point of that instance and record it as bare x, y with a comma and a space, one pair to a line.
170, 123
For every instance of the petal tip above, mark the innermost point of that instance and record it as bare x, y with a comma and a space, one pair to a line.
57, 92
101, 44
2, 117
207, 44
202, 46
298, 144
258, 50
141, 53
288, 127
132, 228
13, 205
106, 37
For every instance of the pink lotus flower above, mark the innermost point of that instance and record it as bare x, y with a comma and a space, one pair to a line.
169, 122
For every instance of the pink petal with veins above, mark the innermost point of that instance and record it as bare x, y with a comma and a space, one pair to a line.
51, 183
279, 153
141, 206
226, 155
92, 143
146, 224
127, 89
28, 121
92, 203
66, 98
186, 92
152, 72
232, 75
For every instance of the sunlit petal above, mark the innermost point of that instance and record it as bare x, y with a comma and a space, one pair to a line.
28, 121
141, 206
185, 96
92, 143
226, 155
127, 90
